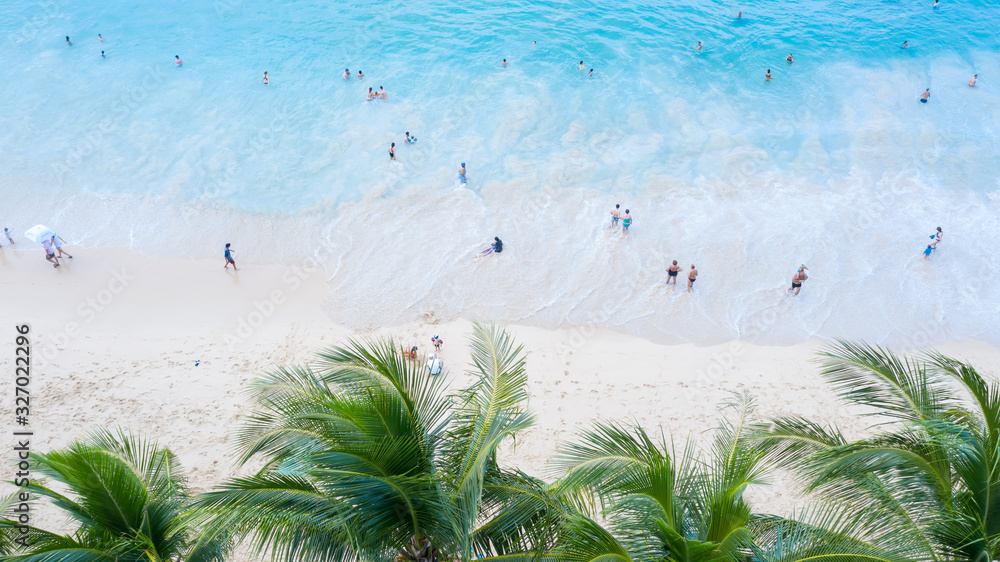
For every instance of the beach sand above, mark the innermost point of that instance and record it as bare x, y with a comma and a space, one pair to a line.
117, 336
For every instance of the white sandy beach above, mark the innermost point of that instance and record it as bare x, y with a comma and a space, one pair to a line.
117, 335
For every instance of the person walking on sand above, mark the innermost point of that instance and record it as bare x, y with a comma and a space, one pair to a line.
434, 365
972, 83
438, 342
265, 79
626, 222
57, 241
392, 151
692, 277
10, 238
924, 96
797, 280
50, 256
672, 272
616, 214
229, 258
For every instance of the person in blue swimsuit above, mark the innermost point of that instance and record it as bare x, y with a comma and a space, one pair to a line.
626, 222
925, 95
615, 215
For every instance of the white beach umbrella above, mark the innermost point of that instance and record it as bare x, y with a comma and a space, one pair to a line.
38, 233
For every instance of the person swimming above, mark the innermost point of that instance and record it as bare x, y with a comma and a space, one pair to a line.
924, 96
504, 62
591, 72
767, 75
581, 62
360, 75
347, 73
461, 172
698, 46
99, 38
972, 83
409, 139
265, 79
382, 94
392, 151
371, 95
68, 42
906, 44
789, 58
177, 60
102, 55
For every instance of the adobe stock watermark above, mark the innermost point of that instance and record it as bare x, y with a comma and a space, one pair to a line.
86, 311
292, 280
93, 140
42, 14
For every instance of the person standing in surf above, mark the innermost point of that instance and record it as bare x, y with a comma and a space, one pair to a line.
616, 214
925, 96
797, 280
692, 277
672, 272
461, 172
626, 222
392, 151
937, 238
265, 79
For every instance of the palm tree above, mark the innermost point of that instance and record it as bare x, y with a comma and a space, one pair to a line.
926, 484
661, 504
126, 495
367, 457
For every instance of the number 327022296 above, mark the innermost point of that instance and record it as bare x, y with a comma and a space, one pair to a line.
22, 364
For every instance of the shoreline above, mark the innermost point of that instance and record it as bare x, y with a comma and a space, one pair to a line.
117, 335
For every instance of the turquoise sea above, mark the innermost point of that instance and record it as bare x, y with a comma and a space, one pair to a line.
834, 163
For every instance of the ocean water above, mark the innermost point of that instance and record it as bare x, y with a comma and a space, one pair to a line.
834, 163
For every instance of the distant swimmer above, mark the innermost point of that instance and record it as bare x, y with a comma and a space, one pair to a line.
99, 38
616, 214
10, 238
937, 3
924, 96
533, 43
392, 151
581, 62
177, 61
409, 139
698, 46
265, 79
57, 241
906, 44
496, 246
50, 256
347, 73
371, 95
102, 55
461, 172
972, 83
68, 42
797, 279
937, 237
229, 257
504, 62
672, 272
591, 72
360, 75
927, 252
626, 222
692, 277
789, 58
739, 15
382, 94
767, 75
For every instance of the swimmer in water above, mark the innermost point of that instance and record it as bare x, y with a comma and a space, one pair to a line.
789, 58
177, 60
591, 72
347, 73
698, 46
68, 42
924, 96
767, 75
936, 2
672, 272
616, 214
360, 75
102, 55
265, 79
533, 43
906, 44
692, 277
382, 93
371, 95
739, 15
972, 83
937, 238
581, 62
504, 62
409, 139
626, 222
461, 172
927, 252
99, 38
392, 151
